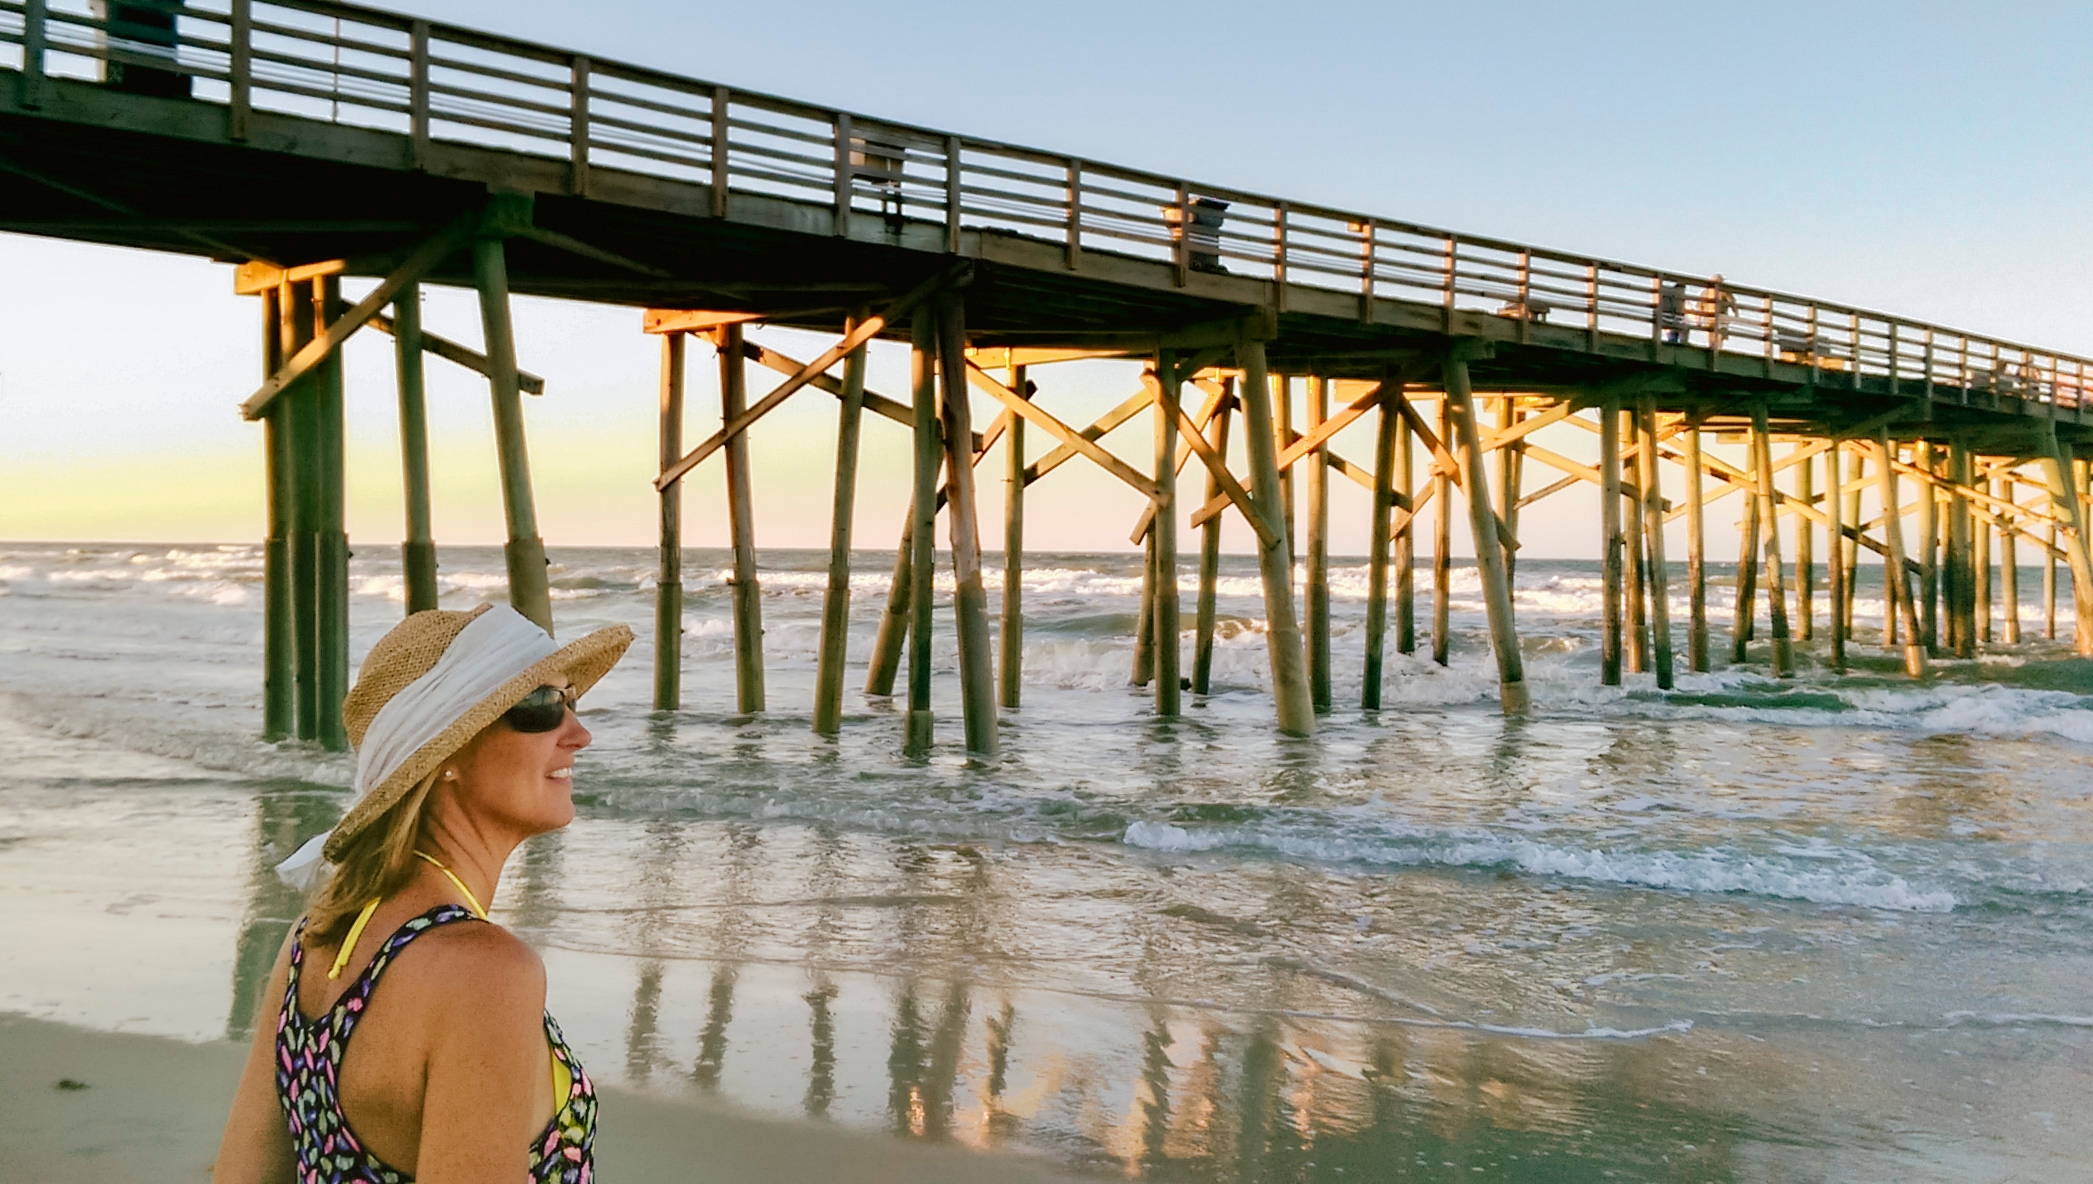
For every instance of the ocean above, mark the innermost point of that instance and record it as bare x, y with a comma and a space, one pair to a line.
1819, 929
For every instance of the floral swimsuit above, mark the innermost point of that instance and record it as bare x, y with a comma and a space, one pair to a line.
308, 1072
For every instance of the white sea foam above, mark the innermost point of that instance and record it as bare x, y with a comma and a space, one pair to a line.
1706, 870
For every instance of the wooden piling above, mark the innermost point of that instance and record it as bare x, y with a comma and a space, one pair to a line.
2067, 508
1852, 545
1317, 480
2049, 587
919, 540
835, 598
331, 577
1379, 544
1489, 555
1635, 581
1747, 578
1653, 544
1776, 591
279, 699
668, 585
1980, 576
306, 421
1927, 538
1611, 545
1896, 584
1210, 555
741, 527
889, 643
1835, 561
1284, 435
529, 589
1511, 481
1805, 547
1961, 564
977, 676
1696, 550
1282, 632
1405, 558
1010, 640
1144, 661
2009, 568
1162, 533
418, 548
1442, 547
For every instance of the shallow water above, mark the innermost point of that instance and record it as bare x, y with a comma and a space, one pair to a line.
1747, 930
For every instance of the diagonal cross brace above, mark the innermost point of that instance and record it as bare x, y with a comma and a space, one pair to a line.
863, 332
1067, 435
418, 265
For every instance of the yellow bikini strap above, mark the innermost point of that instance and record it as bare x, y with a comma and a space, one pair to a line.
470, 899
341, 959
349, 943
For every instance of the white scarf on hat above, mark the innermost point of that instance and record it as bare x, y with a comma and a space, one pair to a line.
493, 648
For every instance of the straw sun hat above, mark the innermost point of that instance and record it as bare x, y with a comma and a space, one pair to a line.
410, 651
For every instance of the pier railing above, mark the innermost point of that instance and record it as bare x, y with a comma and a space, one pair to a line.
438, 83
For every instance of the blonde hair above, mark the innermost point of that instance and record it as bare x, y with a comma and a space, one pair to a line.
378, 862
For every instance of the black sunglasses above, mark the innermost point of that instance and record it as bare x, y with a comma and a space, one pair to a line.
540, 711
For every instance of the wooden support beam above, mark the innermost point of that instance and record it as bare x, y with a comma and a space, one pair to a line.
279, 451
1104, 424
418, 545
1961, 574
529, 591
1443, 478
805, 376
1635, 576
1897, 584
1378, 547
1612, 547
451, 351
1834, 505
1163, 535
1210, 554
1653, 546
2066, 506
1061, 431
1282, 632
1741, 623
575, 246
1511, 475
1317, 552
1805, 544
1404, 529
1010, 640
1776, 588
425, 259
1483, 522
668, 585
1696, 552
977, 679
2009, 573
919, 541
835, 597
1928, 541
749, 694
1314, 443
1981, 526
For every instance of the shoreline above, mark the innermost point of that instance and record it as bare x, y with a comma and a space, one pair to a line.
153, 1107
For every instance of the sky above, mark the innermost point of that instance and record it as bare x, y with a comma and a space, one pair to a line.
1923, 159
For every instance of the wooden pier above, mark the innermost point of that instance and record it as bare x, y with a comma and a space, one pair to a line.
307, 142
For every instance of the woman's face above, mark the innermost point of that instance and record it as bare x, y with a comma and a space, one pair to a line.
520, 781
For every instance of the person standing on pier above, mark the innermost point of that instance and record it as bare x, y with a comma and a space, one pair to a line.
1717, 307
465, 738
1671, 312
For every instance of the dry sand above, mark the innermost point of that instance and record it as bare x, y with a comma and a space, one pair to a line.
152, 1109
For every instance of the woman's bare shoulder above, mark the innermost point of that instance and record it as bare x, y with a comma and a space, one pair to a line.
479, 968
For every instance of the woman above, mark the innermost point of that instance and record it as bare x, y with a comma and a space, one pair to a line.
465, 739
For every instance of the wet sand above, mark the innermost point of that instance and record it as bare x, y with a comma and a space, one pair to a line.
152, 1108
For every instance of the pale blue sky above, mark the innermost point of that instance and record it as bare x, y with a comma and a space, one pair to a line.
1922, 159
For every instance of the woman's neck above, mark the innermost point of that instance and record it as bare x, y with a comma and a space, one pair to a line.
475, 858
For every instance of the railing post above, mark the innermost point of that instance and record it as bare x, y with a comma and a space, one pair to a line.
241, 42
1075, 217
1895, 348
720, 151
1279, 216
953, 193
578, 127
1183, 235
1853, 339
1367, 236
842, 180
418, 93
1453, 251
32, 93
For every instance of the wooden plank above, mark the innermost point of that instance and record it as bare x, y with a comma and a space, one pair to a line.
451, 351
1061, 431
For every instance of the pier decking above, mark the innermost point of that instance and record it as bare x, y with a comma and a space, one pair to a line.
309, 141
